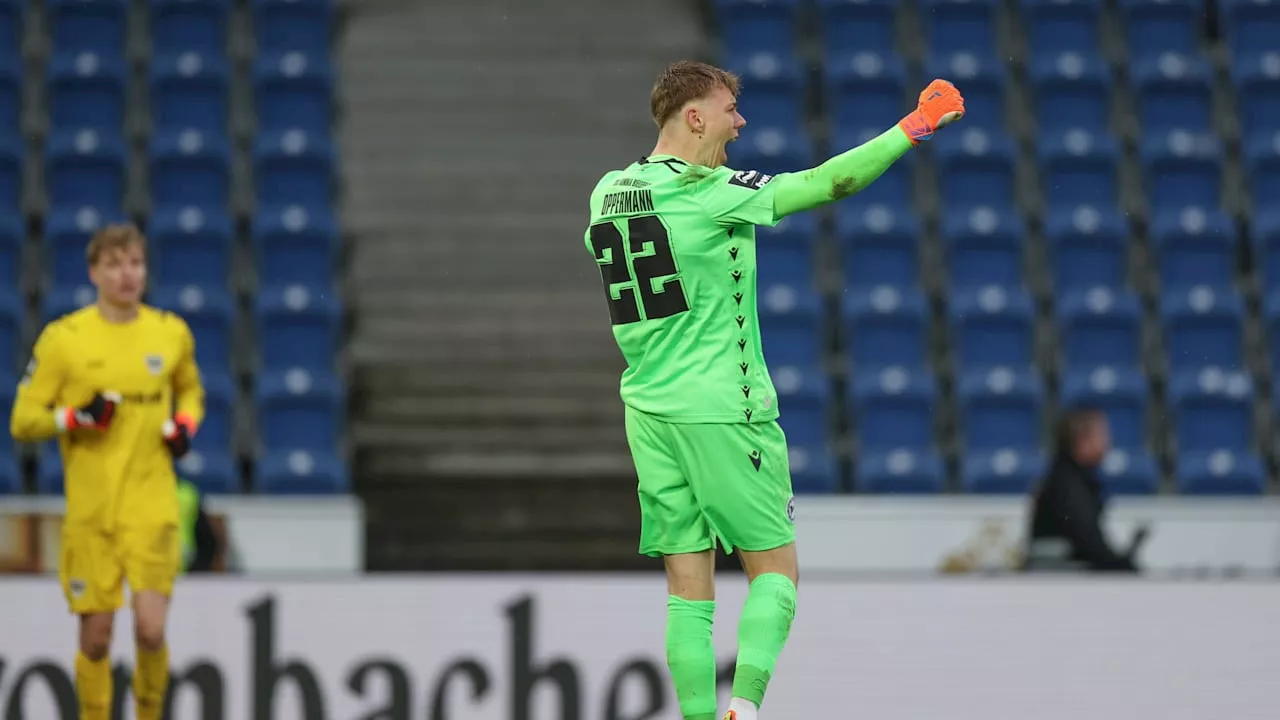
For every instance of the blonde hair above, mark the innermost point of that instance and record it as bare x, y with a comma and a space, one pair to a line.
686, 80
112, 237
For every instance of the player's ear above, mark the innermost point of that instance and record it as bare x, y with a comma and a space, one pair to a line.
693, 118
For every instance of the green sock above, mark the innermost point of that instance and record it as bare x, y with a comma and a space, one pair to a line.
762, 631
691, 656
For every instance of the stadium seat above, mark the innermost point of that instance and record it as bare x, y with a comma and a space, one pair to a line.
866, 25
298, 326
11, 317
900, 471
294, 245
1203, 326
984, 78
773, 91
10, 175
97, 26
790, 325
976, 168
217, 431
813, 469
301, 472
214, 473
771, 150
1249, 26
1220, 472
1154, 27
958, 25
1079, 167
10, 92
299, 409
210, 313
192, 246
1003, 471
1182, 169
190, 90
63, 299
895, 188
804, 403
785, 252
198, 26
1100, 326
878, 246
1265, 238
1194, 246
1088, 246
67, 233
983, 247
1129, 471
49, 479
1071, 90
1262, 168
1271, 318
999, 407
894, 407
865, 89
992, 326
1173, 92
87, 92
1058, 26
1212, 409
293, 25
885, 326
86, 168
190, 168
294, 168
293, 90
12, 240
10, 475
1121, 393
1256, 78
12, 28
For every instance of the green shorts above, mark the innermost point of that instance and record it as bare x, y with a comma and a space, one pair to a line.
703, 483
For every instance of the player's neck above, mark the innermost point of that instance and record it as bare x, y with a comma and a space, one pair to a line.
117, 314
691, 150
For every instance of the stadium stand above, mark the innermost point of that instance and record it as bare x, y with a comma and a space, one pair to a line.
209, 123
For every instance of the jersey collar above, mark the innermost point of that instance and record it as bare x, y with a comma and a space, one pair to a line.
672, 162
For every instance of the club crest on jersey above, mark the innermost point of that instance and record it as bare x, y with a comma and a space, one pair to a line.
750, 179
791, 509
155, 363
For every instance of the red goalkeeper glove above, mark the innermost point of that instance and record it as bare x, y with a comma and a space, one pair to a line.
96, 415
177, 434
940, 105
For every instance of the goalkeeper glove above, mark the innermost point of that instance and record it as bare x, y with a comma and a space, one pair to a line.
940, 105
177, 434
94, 416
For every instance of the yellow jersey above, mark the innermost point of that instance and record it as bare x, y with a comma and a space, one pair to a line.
123, 475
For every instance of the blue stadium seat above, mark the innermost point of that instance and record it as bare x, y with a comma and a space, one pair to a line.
1072, 90
804, 403
901, 471
300, 409
298, 326
1100, 326
12, 240
984, 78
11, 317
10, 475
293, 25
1079, 167
1120, 392
895, 188
1088, 247
1003, 471
217, 430
86, 168
1249, 26
992, 326
813, 469
189, 26
1129, 471
293, 90
1271, 317
1212, 409
294, 168
1221, 472
64, 299
773, 90
96, 26
1256, 78
984, 247
1265, 238
771, 150
190, 168
12, 28
745, 25
784, 252
885, 326
10, 94
1182, 168
1153, 27
190, 90
1173, 92
210, 313
1058, 26
293, 245
301, 472
67, 232
214, 473
1203, 326
894, 407
49, 480
977, 168
87, 91
192, 246
878, 246
957, 25
10, 175
1262, 168
865, 89
1000, 407
790, 325
862, 24
1194, 246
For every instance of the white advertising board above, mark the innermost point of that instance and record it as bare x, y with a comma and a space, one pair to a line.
590, 647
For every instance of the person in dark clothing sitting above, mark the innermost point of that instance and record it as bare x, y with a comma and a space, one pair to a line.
1066, 517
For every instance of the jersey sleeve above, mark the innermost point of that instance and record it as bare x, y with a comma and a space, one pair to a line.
188, 390
32, 418
738, 197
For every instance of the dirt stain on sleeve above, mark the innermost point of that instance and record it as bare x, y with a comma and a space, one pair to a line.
843, 187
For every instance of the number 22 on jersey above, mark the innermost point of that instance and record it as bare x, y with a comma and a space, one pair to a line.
638, 258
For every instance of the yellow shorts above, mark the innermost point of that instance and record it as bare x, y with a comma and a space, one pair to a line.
96, 564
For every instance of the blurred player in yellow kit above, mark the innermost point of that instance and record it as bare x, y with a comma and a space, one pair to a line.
117, 383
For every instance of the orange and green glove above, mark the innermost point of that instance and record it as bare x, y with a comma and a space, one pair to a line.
940, 105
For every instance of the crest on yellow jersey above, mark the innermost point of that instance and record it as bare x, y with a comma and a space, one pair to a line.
155, 363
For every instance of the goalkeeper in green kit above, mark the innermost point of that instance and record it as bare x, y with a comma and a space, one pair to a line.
674, 237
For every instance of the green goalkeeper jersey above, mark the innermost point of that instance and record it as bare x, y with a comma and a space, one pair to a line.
676, 248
